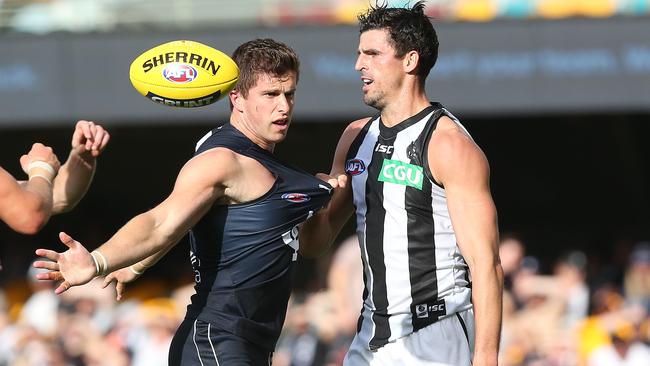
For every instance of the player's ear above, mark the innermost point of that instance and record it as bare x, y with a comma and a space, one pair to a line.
410, 61
236, 99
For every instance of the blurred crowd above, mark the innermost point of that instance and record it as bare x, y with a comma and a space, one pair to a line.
568, 316
86, 326
42, 16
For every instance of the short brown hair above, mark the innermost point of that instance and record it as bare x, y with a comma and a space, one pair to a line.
263, 56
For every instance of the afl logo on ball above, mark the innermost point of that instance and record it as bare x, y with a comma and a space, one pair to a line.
355, 167
179, 73
295, 197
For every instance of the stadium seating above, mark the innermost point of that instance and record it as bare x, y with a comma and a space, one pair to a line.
83, 16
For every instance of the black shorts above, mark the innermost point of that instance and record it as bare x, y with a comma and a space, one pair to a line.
198, 343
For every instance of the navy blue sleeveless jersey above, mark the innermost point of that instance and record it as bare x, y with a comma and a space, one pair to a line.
243, 254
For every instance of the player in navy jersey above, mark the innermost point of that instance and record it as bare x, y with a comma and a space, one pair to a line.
426, 221
243, 207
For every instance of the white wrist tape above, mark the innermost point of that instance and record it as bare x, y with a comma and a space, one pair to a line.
41, 164
46, 172
100, 264
135, 271
96, 264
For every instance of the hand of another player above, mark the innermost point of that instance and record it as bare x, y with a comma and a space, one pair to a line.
121, 278
40, 152
340, 181
339, 185
74, 267
89, 138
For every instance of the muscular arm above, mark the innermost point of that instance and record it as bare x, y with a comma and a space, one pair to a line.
149, 261
197, 187
71, 184
318, 233
459, 164
199, 184
24, 206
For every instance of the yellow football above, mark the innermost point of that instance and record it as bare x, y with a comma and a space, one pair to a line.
184, 74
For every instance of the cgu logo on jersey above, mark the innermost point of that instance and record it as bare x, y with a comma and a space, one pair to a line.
397, 172
355, 166
179, 73
388, 149
296, 197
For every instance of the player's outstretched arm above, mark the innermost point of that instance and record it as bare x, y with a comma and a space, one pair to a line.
123, 276
88, 141
74, 267
459, 164
199, 184
26, 206
318, 233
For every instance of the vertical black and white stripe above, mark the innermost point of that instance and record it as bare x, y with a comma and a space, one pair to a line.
413, 271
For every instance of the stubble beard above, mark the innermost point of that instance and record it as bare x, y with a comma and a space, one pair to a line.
375, 100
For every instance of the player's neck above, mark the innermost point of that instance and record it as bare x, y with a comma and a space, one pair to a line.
405, 105
249, 132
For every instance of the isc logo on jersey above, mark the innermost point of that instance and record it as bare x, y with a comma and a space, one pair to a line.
388, 149
397, 172
424, 310
355, 167
177, 72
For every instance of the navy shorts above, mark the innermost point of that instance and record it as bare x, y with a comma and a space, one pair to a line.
198, 343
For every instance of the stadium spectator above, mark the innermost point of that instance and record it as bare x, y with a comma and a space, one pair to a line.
511, 253
625, 349
40, 311
636, 283
345, 283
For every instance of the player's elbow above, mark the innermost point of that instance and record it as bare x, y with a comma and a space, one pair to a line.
485, 265
36, 213
30, 223
31, 228
165, 235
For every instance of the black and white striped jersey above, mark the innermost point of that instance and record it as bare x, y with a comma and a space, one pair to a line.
414, 273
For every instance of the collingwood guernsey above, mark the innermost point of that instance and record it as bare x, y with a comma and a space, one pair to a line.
414, 273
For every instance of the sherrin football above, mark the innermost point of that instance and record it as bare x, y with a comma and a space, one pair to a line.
184, 74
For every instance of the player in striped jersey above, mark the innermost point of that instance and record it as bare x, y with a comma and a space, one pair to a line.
426, 221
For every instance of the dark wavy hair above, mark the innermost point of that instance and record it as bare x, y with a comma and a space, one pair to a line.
409, 29
263, 56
